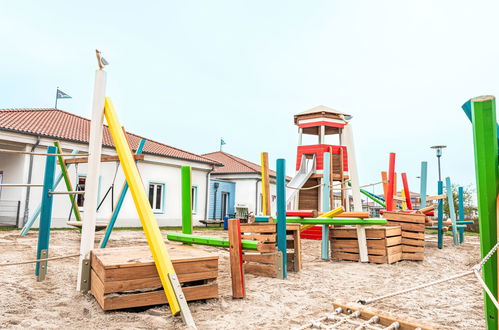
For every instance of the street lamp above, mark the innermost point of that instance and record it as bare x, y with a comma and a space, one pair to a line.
439, 154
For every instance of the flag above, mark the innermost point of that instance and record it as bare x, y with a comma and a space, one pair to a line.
222, 142
62, 95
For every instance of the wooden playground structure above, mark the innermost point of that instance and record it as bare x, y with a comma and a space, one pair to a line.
177, 271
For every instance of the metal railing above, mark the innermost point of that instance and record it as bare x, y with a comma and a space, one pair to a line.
9, 213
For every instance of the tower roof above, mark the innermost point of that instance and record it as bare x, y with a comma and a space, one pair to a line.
322, 109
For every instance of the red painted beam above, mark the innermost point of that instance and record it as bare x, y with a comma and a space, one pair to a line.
302, 213
407, 191
391, 183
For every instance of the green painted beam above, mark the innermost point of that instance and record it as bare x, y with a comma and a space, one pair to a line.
483, 110
336, 221
67, 181
186, 200
209, 240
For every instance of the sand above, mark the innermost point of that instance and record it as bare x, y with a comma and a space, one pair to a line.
270, 303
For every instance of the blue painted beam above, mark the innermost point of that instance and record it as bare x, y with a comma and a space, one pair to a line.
119, 204
440, 215
46, 210
424, 178
281, 213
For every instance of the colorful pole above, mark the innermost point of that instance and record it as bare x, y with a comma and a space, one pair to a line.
407, 192
487, 183
460, 193
46, 215
264, 159
422, 190
186, 200
281, 213
452, 210
119, 204
391, 183
440, 215
325, 205
67, 181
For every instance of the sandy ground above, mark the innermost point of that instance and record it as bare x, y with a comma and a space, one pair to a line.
270, 303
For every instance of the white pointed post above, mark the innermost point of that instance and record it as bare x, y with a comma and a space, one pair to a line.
93, 171
347, 139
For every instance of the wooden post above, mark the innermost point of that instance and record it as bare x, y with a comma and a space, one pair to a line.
422, 190
440, 215
119, 203
391, 183
264, 160
487, 182
407, 192
325, 206
186, 200
281, 213
384, 180
46, 214
236, 259
452, 210
93, 170
354, 179
460, 193
67, 181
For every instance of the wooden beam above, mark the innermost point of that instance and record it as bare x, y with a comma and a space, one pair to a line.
407, 192
236, 259
264, 159
104, 158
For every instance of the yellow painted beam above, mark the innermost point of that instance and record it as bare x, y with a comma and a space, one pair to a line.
264, 161
404, 204
149, 223
329, 214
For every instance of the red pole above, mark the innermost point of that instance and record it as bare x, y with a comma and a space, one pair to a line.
391, 182
406, 191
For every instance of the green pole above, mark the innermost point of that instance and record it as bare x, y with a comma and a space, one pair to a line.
186, 200
487, 183
210, 241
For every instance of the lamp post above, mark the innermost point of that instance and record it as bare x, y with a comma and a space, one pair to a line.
439, 154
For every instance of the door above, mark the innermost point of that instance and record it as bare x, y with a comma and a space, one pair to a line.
225, 204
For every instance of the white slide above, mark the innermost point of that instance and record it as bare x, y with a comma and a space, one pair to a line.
307, 168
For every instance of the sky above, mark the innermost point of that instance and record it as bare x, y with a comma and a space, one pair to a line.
187, 73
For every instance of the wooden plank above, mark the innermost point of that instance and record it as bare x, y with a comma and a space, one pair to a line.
413, 256
236, 259
394, 240
205, 291
260, 270
297, 251
355, 249
395, 257
266, 247
393, 231
260, 238
371, 232
437, 197
405, 217
258, 228
104, 158
383, 320
355, 257
410, 248
362, 215
397, 249
261, 258
371, 243
97, 288
413, 242
408, 234
417, 227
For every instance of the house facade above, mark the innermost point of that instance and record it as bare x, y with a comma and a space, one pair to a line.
36, 129
246, 178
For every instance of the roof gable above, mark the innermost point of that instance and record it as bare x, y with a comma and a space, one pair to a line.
234, 165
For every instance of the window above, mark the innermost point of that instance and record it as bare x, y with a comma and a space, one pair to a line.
157, 196
80, 186
194, 198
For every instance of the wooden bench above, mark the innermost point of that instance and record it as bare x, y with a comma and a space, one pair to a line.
212, 222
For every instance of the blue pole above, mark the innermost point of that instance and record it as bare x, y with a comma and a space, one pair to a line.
461, 212
452, 210
281, 213
325, 206
46, 210
119, 204
38, 209
440, 213
422, 190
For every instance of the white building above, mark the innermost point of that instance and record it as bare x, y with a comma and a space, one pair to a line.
36, 129
247, 177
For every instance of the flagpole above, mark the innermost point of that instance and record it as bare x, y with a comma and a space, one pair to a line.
56, 93
220, 144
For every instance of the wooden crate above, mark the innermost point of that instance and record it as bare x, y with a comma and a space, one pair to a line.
413, 227
384, 243
266, 261
127, 277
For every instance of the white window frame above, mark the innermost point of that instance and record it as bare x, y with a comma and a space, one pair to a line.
194, 196
154, 201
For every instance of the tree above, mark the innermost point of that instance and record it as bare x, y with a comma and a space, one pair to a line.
469, 207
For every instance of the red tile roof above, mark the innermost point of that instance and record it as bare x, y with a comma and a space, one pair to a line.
233, 164
59, 124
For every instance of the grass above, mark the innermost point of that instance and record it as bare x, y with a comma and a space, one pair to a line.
197, 228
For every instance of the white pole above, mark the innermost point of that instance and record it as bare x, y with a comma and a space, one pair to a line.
92, 180
354, 179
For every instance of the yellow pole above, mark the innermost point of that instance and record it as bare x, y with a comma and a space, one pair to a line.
264, 160
149, 223
404, 204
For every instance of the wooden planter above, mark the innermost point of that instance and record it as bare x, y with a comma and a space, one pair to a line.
413, 227
268, 261
383, 243
127, 277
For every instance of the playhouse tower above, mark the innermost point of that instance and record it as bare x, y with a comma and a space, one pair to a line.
334, 135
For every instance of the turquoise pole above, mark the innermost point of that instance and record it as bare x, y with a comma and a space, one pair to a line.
460, 192
440, 213
281, 213
452, 210
424, 178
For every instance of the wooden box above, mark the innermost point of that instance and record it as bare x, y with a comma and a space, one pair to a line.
267, 262
383, 243
127, 277
413, 227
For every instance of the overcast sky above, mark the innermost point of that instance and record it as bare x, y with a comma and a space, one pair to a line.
186, 73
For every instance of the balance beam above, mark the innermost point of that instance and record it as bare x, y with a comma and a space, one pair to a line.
210, 241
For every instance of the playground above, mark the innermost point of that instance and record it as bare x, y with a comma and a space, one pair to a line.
270, 303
